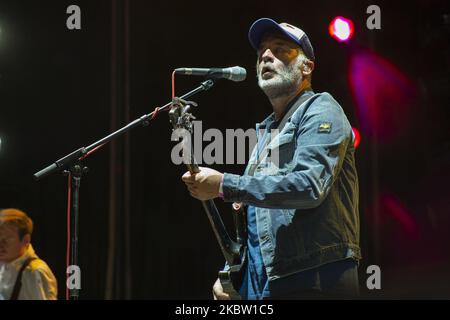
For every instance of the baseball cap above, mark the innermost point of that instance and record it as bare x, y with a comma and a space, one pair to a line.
297, 35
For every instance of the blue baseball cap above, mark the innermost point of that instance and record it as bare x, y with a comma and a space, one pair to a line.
261, 26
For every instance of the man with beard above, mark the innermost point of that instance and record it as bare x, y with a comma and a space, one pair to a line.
302, 209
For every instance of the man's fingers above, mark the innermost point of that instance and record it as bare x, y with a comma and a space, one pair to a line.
218, 293
188, 177
189, 180
192, 188
224, 296
194, 195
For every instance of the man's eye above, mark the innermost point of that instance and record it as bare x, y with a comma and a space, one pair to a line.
280, 50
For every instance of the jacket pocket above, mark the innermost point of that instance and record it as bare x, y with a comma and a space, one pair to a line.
294, 246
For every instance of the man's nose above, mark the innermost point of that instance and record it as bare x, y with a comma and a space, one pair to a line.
267, 55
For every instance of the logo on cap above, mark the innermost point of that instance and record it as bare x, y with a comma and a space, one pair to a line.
298, 33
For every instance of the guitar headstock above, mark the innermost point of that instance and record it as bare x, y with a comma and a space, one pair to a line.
180, 115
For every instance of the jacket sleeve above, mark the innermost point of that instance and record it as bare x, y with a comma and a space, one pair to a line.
322, 139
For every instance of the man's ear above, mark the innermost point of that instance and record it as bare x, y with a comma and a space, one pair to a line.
307, 67
26, 239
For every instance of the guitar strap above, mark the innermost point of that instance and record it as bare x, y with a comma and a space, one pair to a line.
18, 283
296, 104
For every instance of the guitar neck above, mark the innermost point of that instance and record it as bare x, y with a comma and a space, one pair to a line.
230, 249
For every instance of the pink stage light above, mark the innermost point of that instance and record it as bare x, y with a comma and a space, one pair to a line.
341, 29
357, 138
384, 96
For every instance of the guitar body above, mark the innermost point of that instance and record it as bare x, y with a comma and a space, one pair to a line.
231, 277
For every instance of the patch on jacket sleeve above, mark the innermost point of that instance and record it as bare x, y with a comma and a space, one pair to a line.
325, 127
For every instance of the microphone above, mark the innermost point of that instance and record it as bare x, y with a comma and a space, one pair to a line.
232, 73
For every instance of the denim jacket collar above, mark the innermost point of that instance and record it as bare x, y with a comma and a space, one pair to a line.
271, 118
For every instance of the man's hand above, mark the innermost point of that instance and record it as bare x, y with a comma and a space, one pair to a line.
218, 291
203, 185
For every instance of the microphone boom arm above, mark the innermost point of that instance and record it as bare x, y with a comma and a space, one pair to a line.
82, 152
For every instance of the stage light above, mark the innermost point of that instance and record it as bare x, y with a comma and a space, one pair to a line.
383, 95
341, 29
0, 144
357, 137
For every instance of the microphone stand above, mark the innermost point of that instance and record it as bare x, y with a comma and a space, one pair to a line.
72, 164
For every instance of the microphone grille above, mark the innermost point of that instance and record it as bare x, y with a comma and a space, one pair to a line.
238, 74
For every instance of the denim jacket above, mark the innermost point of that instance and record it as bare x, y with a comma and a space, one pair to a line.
307, 202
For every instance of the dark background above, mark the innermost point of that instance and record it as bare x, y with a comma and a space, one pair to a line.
141, 235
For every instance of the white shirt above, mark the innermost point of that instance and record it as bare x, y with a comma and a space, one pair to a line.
38, 281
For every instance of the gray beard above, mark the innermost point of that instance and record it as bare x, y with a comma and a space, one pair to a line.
282, 84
